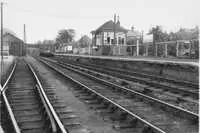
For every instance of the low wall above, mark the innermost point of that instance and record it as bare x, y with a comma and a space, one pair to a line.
185, 72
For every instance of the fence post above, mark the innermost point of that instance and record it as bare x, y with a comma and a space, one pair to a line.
177, 47
113, 49
146, 49
156, 50
190, 48
89, 48
131, 50
165, 49
119, 50
137, 48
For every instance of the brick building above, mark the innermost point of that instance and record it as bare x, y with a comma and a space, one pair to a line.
12, 45
104, 35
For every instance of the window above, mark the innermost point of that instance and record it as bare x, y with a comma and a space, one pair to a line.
122, 40
119, 40
112, 41
108, 40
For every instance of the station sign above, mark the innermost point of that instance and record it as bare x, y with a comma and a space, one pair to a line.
147, 38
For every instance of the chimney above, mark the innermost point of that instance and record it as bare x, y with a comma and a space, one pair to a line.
114, 29
118, 20
132, 28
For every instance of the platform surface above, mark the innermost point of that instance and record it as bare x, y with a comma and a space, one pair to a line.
192, 62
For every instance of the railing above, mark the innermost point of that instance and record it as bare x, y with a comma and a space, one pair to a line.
176, 49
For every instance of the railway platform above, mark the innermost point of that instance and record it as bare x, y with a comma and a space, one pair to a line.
192, 62
180, 69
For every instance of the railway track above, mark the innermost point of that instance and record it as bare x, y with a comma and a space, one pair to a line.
26, 108
182, 87
67, 115
187, 103
154, 115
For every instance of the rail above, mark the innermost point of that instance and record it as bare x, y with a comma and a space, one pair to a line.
156, 129
7, 105
53, 124
54, 120
127, 76
190, 114
8, 79
48, 104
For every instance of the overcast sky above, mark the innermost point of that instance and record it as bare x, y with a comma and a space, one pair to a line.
44, 18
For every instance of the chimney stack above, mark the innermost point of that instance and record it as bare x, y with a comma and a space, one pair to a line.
132, 28
118, 22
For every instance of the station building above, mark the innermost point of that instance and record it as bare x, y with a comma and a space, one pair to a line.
104, 35
125, 39
13, 45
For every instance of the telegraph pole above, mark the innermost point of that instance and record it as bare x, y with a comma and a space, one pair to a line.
24, 33
1, 42
114, 28
24, 47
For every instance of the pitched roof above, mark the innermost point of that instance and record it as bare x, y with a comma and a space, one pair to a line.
109, 26
13, 36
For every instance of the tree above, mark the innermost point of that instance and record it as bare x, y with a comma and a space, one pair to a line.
48, 42
39, 42
84, 41
187, 34
158, 34
156, 31
65, 36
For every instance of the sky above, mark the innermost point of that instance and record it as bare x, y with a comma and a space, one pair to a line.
44, 18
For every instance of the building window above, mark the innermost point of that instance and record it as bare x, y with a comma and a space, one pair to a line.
108, 40
112, 41
119, 40
122, 40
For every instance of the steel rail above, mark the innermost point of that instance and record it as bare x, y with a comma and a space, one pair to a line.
53, 124
60, 125
143, 75
8, 79
49, 109
194, 115
10, 112
189, 113
133, 78
107, 99
130, 73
